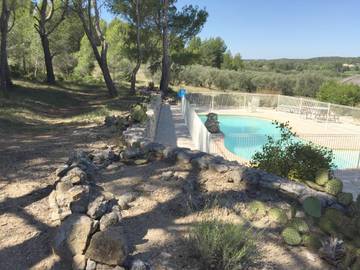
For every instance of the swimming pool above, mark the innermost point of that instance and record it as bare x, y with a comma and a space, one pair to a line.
245, 135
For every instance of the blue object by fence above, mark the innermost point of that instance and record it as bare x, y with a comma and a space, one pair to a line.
181, 93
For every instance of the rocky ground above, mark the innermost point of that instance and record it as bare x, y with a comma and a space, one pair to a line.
159, 199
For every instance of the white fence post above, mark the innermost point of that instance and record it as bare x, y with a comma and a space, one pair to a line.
212, 103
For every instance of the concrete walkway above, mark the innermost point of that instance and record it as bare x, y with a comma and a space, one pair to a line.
171, 130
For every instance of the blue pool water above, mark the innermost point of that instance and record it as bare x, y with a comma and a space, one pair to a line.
244, 136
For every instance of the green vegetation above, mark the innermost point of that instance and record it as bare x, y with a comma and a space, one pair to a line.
290, 157
138, 113
312, 206
291, 236
344, 94
322, 177
345, 198
300, 225
257, 208
222, 246
278, 215
334, 186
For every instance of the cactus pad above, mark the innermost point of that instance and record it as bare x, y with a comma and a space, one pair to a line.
291, 236
312, 206
334, 186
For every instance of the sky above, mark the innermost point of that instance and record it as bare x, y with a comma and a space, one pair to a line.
269, 29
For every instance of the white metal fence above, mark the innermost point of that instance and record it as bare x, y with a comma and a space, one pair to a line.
199, 133
346, 147
303, 107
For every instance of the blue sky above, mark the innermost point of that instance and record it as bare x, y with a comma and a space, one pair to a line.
266, 29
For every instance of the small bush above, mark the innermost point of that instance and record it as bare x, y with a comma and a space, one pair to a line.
290, 157
223, 246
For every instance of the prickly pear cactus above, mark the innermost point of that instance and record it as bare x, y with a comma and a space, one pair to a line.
291, 236
257, 208
278, 215
334, 186
300, 225
312, 206
311, 241
345, 198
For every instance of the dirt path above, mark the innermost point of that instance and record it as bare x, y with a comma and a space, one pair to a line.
30, 150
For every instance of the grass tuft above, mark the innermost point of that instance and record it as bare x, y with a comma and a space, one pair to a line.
223, 246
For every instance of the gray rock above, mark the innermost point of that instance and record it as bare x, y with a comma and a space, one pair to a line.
63, 186
116, 209
108, 247
270, 181
125, 199
79, 262
131, 153
90, 265
183, 157
292, 188
108, 220
95, 226
108, 267
140, 161
97, 207
75, 176
300, 214
165, 176
251, 176
235, 176
60, 172
138, 265
221, 168
154, 148
72, 235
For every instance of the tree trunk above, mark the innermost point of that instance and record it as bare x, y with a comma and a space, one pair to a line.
102, 62
107, 78
138, 47
4, 68
50, 77
165, 70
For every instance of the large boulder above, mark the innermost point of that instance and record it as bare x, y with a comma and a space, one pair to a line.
72, 235
108, 246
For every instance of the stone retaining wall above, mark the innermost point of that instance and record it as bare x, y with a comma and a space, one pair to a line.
252, 176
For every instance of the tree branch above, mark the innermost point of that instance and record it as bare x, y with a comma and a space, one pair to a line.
51, 13
63, 15
13, 22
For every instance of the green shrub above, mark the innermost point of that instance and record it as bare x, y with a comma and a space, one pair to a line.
138, 113
288, 155
222, 246
339, 93
291, 236
312, 206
